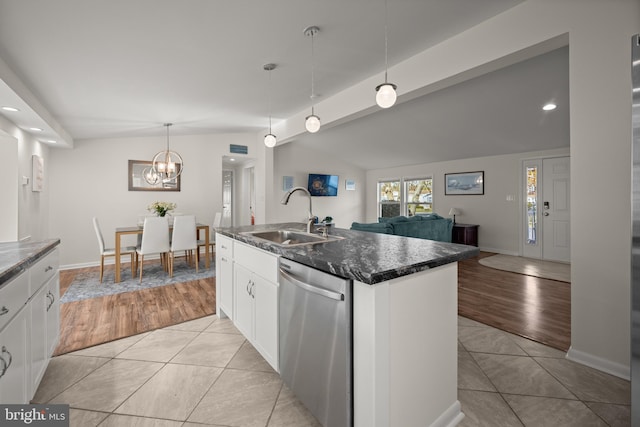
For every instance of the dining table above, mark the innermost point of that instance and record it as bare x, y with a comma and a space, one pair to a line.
137, 230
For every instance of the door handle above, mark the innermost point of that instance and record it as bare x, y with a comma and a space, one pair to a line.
4, 310
319, 291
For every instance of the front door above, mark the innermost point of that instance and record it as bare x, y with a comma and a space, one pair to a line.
556, 239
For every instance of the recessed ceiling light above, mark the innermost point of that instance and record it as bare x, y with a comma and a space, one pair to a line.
12, 109
36, 129
550, 106
232, 159
50, 141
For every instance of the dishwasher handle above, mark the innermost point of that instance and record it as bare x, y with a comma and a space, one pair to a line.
310, 288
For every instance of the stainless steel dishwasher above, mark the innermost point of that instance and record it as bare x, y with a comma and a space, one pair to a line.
315, 341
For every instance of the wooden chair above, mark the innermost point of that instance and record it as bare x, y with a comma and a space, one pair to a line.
184, 238
104, 252
155, 240
212, 236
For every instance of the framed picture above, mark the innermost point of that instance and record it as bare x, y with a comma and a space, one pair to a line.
137, 170
349, 185
464, 183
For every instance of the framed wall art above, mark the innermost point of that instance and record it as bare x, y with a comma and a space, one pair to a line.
137, 182
464, 183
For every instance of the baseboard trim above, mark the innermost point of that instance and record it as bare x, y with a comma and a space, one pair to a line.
604, 365
499, 251
451, 417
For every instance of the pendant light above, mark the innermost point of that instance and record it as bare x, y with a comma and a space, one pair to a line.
166, 165
312, 122
386, 95
270, 139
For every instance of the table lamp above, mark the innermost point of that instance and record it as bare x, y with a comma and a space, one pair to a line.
454, 212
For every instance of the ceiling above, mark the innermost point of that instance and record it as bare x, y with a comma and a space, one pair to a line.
122, 68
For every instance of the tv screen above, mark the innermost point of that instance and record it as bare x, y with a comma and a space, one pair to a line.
323, 185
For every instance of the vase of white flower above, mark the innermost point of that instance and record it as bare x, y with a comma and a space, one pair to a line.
161, 208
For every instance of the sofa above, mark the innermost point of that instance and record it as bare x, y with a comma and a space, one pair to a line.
428, 226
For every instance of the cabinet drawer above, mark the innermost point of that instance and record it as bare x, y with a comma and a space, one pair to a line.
224, 246
13, 296
258, 261
43, 270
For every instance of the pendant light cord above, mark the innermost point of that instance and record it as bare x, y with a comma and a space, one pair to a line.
312, 69
269, 101
167, 126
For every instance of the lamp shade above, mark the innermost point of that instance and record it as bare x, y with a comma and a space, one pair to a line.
454, 211
270, 140
386, 95
312, 123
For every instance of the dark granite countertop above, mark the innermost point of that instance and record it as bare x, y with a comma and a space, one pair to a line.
366, 257
15, 257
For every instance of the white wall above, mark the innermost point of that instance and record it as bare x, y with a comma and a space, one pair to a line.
499, 219
33, 207
91, 180
296, 161
9, 177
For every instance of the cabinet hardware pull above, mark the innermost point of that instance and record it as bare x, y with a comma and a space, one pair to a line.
4, 310
223, 246
223, 259
7, 364
253, 287
49, 268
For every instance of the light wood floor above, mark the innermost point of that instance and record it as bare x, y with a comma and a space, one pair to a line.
535, 308
98, 320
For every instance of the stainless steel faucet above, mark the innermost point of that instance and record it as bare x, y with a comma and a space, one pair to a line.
287, 196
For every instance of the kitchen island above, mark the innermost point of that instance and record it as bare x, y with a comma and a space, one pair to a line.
404, 318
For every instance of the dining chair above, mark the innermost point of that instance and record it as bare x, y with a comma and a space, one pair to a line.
105, 252
183, 238
155, 240
212, 235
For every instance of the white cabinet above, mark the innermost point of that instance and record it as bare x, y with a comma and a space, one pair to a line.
13, 361
29, 328
224, 276
256, 299
44, 308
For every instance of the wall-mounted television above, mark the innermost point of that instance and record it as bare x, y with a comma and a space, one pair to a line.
323, 185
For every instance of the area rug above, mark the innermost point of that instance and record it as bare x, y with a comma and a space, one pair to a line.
87, 285
529, 266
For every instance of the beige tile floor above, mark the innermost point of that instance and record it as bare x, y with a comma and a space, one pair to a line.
204, 373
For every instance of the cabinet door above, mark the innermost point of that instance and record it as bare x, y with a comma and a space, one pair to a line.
243, 310
266, 320
13, 351
225, 276
38, 354
53, 314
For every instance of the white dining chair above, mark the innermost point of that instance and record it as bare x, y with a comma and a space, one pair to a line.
105, 252
183, 238
212, 235
155, 240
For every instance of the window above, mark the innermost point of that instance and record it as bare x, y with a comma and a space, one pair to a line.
388, 198
415, 198
532, 205
418, 197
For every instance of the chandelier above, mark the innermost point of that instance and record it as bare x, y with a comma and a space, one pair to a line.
166, 165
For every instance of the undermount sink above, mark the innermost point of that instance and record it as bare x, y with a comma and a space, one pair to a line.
290, 237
